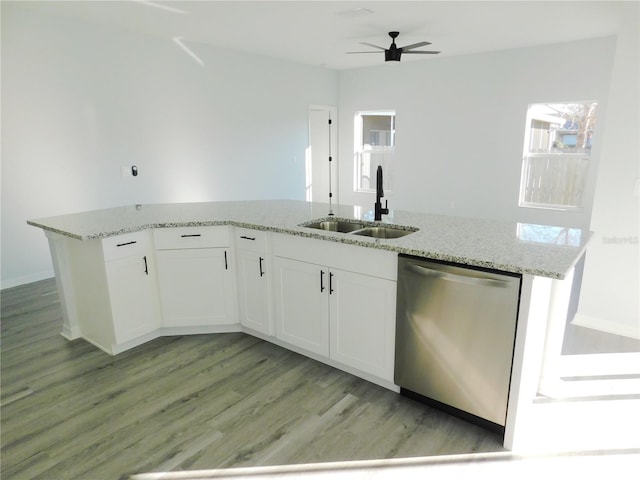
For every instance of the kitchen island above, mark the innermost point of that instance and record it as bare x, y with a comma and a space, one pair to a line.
102, 288
507, 246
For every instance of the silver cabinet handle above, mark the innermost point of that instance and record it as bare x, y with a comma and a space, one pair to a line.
452, 277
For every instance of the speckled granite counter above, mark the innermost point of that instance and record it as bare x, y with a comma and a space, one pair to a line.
509, 246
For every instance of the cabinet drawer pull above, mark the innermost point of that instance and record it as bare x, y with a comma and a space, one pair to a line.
321, 281
330, 283
126, 243
146, 266
247, 238
226, 264
191, 235
260, 259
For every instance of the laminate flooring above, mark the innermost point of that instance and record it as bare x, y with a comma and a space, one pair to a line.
70, 411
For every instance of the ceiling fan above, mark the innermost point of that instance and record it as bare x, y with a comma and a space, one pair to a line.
393, 53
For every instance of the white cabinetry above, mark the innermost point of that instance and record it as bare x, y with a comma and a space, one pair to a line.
331, 301
195, 276
301, 304
115, 290
131, 298
346, 314
254, 292
362, 312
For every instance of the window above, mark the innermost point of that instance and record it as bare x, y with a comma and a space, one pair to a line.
374, 144
557, 150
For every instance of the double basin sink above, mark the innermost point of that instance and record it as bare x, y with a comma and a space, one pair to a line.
364, 229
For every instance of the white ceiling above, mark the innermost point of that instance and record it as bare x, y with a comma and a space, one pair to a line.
320, 32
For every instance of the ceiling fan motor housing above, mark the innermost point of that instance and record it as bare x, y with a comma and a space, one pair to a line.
392, 54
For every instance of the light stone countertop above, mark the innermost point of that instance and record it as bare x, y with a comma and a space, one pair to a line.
545, 251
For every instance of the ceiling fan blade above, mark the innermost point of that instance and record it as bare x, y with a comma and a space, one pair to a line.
372, 45
415, 45
419, 51
364, 52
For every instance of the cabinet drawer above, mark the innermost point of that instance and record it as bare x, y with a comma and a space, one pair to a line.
127, 245
248, 239
191, 237
352, 258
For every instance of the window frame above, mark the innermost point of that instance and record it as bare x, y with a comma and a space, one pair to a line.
359, 150
555, 155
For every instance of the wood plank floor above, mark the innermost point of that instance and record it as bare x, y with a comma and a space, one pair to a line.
70, 411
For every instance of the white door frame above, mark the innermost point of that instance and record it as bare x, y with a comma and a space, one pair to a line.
333, 131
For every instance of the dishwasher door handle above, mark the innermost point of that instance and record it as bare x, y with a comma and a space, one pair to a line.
452, 277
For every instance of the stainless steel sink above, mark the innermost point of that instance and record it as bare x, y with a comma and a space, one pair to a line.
344, 226
355, 227
383, 232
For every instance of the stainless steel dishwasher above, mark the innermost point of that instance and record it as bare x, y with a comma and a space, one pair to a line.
455, 333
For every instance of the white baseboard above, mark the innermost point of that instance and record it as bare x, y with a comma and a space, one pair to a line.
33, 277
607, 326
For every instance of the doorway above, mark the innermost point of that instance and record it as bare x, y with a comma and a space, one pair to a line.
321, 164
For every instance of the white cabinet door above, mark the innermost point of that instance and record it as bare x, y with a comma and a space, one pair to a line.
301, 304
362, 322
131, 297
253, 291
195, 287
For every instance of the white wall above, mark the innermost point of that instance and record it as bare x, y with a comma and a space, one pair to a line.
461, 121
79, 101
609, 298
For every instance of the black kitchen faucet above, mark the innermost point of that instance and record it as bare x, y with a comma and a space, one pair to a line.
379, 211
